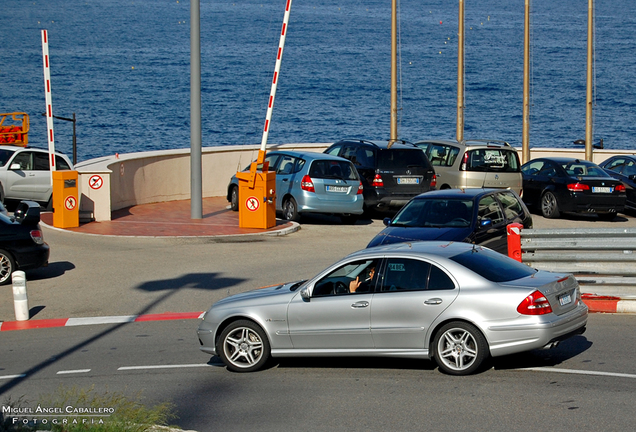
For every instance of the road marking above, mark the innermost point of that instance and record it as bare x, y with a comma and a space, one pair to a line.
101, 320
124, 368
579, 372
12, 376
76, 371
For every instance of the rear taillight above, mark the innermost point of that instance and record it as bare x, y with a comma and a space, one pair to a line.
307, 184
620, 188
377, 181
462, 166
577, 187
37, 236
360, 189
535, 304
434, 181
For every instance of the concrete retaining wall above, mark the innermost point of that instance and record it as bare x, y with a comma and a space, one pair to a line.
115, 182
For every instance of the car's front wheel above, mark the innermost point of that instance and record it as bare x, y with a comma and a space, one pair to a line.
549, 206
290, 210
7, 267
459, 348
243, 347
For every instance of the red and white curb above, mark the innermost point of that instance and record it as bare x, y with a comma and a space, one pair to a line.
608, 304
71, 322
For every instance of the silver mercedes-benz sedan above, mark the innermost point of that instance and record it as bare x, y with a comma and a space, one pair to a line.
456, 303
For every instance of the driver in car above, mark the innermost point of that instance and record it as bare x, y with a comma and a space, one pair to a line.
365, 285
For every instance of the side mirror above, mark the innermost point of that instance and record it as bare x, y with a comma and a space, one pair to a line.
27, 213
386, 221
485, 223
15, 167
304, 294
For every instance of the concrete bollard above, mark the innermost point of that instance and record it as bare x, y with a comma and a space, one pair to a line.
20, 300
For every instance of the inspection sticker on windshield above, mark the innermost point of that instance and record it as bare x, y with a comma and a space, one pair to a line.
408, 180
598, 189
565, 299
337, 188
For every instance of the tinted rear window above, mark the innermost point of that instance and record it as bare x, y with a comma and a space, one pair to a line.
438, 212
401, 158
495, 160
492, 265
333, 169
584, 169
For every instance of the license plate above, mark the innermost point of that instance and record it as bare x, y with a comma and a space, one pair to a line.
408, 180
599, 189
337, 189
565, 299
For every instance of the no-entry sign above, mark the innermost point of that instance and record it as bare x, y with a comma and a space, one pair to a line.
252, 203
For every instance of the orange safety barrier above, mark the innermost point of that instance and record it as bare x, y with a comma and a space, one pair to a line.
14, 129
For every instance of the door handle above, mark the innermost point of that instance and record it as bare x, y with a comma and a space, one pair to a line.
433, 301
360, 304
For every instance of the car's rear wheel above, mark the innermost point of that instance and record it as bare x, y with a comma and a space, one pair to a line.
234, 198
7, 267
290, 210
459, 348
549, 206
243, 346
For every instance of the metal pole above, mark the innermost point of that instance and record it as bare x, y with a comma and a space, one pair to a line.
589, 136
394, 117
460, 74
49, 103
525, 140
74, 141
196, 188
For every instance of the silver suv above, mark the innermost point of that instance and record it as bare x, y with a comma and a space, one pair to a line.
474, 164
25, 173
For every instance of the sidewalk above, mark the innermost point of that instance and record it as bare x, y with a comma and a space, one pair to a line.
173, 219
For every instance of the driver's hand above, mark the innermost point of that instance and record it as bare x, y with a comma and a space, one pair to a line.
354, 284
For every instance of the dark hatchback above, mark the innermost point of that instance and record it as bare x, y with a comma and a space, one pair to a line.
391, 175
555, 185
472, 215
22, 245
623, 168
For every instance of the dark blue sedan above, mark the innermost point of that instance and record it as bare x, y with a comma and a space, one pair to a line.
472, 215
623, 168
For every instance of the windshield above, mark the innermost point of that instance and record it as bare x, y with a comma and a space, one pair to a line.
5, 155
333, 169
492, 265
584, 169
439, 212
488, 159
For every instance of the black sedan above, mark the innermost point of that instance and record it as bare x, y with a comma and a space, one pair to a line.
565, 185
472, 215
22, 245
623, 168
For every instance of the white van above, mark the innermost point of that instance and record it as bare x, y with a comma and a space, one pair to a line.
474, 164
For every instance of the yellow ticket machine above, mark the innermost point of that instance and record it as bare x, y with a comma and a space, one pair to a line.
257, 196
65, 199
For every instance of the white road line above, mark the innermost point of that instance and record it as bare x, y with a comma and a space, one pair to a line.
76, 371
101, 320
579, 372
12, 376
124, 368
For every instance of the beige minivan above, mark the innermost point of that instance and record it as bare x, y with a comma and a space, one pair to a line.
474, 164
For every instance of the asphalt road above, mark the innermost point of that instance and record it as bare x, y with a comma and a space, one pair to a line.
162, 360
99, 276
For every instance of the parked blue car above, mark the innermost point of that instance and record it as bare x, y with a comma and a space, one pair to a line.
473, 215
309, 182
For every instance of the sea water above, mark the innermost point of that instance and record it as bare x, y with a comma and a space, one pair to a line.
123, 68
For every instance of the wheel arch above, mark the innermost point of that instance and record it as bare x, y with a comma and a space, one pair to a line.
229, 320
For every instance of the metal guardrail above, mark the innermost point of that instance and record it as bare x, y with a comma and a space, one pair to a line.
601, 258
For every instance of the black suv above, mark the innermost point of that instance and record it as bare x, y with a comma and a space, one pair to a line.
390, 176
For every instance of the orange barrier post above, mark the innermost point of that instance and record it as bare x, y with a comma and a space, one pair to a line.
514, 241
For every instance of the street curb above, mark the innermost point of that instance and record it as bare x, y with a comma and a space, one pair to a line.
595, 303
72, 322
608, 304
